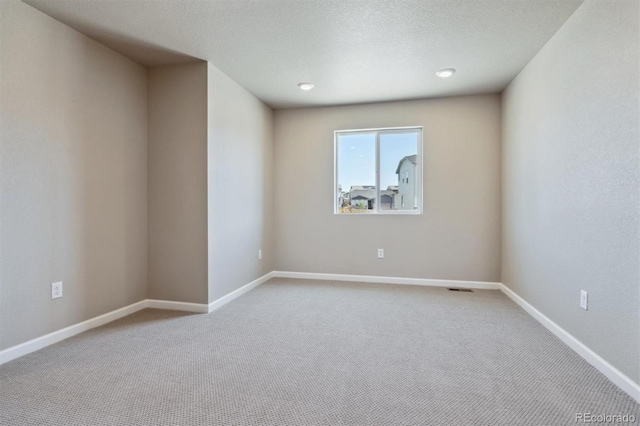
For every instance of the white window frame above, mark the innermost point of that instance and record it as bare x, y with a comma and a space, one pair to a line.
418, 177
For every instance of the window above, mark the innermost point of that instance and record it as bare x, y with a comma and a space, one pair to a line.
378, 171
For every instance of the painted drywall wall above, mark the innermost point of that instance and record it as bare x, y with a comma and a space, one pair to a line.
73, 177
240, 186
571, 178
457, 237
178, 182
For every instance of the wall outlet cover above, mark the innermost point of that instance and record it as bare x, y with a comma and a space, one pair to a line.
56, 290
584, 300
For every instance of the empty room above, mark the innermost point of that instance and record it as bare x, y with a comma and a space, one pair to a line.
319, 212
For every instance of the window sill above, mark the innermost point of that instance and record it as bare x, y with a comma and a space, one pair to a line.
372, 213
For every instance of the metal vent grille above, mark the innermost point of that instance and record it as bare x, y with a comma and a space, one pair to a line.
464, 290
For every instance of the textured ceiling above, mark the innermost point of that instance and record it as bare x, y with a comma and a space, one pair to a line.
353, 51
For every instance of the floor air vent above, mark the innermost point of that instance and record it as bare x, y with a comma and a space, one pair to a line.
464, 290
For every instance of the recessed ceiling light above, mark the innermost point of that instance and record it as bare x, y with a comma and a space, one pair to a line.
305, 86
447, 72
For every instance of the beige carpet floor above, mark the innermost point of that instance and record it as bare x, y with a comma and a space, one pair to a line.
314, 353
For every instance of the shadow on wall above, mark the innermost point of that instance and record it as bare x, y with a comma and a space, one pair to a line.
142, 52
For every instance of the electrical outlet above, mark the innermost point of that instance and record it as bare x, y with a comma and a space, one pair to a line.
56, 290
584, 300
259, 254
380, 253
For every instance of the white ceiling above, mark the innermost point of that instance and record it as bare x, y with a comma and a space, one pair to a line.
354, 51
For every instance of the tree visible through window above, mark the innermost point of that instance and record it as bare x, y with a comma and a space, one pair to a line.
378, 171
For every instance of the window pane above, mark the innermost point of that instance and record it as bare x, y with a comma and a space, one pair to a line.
399, 170
356, 169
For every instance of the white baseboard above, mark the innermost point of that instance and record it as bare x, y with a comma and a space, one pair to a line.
56, 336
33, 345
239, 292
612, 373
200, 308
389, 280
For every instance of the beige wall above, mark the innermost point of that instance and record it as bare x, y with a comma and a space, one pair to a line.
240, 184
177, 174
571, 177
73, 149
457, 237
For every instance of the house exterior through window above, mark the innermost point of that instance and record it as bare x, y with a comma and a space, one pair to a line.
378, 171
